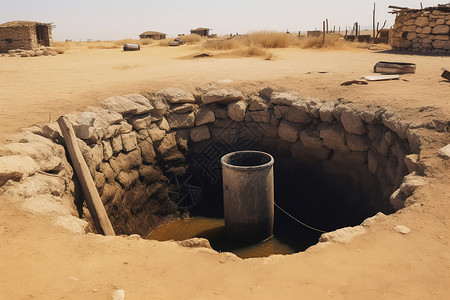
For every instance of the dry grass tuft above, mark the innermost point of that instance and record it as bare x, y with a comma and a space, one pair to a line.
331, 42
189, 39
60, 47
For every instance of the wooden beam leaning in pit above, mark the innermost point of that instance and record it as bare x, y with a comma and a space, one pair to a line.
101, 221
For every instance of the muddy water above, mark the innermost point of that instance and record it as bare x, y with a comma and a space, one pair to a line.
214, 230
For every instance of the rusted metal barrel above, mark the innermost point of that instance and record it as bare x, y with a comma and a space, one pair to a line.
131, 47
248, 195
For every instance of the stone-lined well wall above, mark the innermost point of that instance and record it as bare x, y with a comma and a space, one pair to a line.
422, 31
134, 144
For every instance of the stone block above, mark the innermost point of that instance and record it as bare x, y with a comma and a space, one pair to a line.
326, 112
200, 133
236, 110
147, 152
258, 116
204, 115
333, 137
120, 104
142, 104
129, 141
394, 123
310, 138
288, 131
220, 113
150, 174
107, 150
357, 142
181, 120
256, 103
283, 98
182, 108
140, 122
441, 29
352, 122
163, 124
167, 143
421, 21
156, 134
116, 144
16, 167
176, 95
222, 96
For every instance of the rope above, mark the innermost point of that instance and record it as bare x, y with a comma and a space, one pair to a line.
298, 221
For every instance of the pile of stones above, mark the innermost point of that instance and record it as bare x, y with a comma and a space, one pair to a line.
423, 31
42, 51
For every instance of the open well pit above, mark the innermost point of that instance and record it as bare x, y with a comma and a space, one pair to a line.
156, 156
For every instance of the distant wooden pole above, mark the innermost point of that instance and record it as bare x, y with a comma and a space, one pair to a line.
373, 21
323, 42
421, 6
93, 201
327, 25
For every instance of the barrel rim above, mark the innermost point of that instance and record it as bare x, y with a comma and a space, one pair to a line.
247, 168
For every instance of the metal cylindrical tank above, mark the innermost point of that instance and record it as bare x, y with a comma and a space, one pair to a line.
131, 47
248, 195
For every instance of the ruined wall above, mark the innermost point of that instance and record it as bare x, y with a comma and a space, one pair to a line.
17, 38
422, 31
134, 144
24, 37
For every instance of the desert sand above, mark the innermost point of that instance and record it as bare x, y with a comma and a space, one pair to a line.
41, 261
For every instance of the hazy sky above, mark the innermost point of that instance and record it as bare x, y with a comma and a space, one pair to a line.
118, 19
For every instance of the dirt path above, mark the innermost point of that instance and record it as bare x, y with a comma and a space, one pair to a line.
40, 261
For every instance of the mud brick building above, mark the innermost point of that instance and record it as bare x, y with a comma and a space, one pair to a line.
25, 35
154, 35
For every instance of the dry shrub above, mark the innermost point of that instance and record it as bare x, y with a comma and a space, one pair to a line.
191, 39
60, 47
222, 44
145, 42
164, 43
102, 45
126, 41
331, 42
268, 39
250, 51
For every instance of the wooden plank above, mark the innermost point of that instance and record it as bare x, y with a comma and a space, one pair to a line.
380, 77
93, 201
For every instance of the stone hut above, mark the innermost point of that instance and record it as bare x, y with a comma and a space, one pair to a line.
422, 30
154, 35
25, 35
201, 31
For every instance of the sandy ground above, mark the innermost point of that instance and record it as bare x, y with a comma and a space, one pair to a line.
40, 261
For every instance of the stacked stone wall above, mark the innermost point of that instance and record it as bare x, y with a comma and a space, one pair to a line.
134, 144
422, 31
21, 37
17, 38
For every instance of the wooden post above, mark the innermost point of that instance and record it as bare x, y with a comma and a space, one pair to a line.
373, 22
323, 42
327, 26
93, 201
